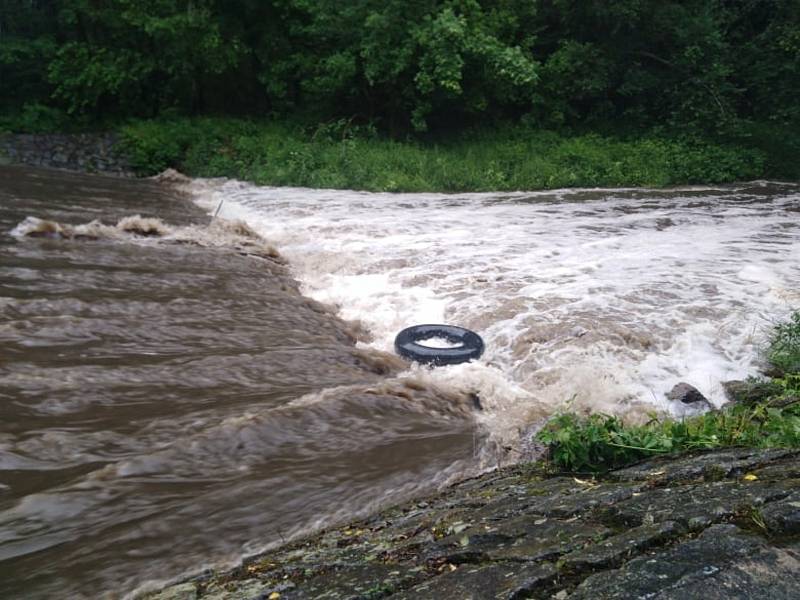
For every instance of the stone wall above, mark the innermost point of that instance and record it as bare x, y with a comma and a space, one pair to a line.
88, 152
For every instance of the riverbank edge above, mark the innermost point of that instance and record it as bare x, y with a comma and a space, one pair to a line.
345, 156
714, 514
695, 525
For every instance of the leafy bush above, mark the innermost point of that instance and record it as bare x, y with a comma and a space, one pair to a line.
599, 442
152, 146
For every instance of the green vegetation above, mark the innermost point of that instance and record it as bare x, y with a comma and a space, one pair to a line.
343, 155
783, 352
766, 414
561, 92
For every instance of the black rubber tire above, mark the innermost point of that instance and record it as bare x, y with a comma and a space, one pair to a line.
406, 344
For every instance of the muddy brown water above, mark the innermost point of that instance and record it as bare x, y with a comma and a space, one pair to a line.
170, 399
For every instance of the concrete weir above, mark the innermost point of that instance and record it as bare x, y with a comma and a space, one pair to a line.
722, 524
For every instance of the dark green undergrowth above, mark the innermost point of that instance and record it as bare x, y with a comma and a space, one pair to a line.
767, 415
340, 155
37, 118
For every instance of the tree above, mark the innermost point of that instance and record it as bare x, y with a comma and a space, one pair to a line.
407, 63
138, 56
27, 44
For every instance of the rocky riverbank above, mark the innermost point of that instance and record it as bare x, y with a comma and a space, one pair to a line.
90, 153
722, 524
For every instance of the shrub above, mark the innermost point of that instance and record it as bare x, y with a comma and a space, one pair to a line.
153, 146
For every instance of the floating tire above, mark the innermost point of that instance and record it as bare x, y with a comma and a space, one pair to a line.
470, 344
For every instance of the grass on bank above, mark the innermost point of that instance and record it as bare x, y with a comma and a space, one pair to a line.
766, 414
341, 155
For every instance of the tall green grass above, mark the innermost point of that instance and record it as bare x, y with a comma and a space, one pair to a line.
342, 156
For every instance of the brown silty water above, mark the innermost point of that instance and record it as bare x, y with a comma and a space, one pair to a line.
168, 397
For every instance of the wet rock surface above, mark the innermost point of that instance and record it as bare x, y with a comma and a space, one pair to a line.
722, 524
724, 561
90, 153
690, 397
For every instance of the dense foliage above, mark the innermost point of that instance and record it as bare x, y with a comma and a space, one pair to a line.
766, 414
407, 65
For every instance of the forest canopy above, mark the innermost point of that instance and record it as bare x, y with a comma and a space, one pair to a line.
407, 66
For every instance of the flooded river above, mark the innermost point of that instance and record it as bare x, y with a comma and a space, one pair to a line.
177, 391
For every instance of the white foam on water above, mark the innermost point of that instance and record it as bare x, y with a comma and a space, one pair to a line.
219, 233
597, 299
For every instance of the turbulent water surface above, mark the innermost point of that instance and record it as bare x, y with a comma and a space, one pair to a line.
177, 390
